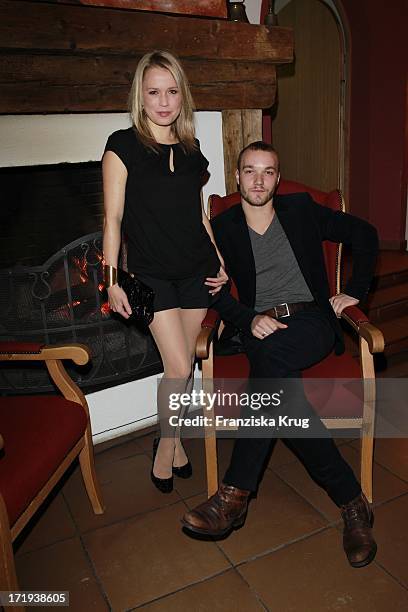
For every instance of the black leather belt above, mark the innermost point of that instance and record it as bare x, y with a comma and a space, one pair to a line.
286, 310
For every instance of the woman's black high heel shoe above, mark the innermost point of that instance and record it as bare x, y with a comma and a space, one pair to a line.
184, 471
165, 485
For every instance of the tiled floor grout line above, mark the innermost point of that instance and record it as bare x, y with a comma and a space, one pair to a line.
378, 462
87, 556
95, 573
95, 529
98, 464
131, 516
21, 555
201, 492
180, 590
384, 467
387, 501
264, 553
321, 514
375, 506
253, 590
379, 565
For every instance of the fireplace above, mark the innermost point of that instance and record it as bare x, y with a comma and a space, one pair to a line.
51, 288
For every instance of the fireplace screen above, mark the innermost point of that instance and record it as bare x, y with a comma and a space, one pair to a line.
64, 301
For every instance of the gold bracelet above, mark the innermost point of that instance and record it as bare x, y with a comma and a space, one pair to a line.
110, 276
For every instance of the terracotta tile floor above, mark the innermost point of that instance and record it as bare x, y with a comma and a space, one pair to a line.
287, 557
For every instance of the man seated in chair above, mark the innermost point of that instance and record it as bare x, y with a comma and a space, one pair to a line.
272, 247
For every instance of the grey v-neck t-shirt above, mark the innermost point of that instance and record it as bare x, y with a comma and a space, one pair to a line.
278, 276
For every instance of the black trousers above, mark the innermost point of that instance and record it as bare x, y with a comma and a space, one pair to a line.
308, 338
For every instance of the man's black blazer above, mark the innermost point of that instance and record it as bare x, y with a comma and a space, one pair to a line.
306, 225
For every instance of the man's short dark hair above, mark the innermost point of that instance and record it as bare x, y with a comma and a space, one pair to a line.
259, 145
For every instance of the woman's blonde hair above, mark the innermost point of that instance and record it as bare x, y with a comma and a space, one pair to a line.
183, 127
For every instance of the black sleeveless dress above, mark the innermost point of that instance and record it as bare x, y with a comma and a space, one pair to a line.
162, 216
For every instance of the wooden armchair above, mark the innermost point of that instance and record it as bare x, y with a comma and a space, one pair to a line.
42, 435
358, 409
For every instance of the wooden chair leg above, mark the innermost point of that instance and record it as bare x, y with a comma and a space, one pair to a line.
8, 577
367, 448
212, 463
86, 461
210, 431
368, 425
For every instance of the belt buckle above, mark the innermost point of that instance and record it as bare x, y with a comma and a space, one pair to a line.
287, 310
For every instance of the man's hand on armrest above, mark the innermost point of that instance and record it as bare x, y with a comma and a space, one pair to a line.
341, 301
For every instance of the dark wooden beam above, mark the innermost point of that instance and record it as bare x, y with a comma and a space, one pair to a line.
87, 29
26, 99
98, 69
32, 83
205, 8
75, 58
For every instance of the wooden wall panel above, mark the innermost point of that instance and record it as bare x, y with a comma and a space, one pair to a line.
306, 129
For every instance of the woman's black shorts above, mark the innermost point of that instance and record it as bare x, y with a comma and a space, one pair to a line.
182, 293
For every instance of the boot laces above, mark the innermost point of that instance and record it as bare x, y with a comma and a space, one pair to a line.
355, 515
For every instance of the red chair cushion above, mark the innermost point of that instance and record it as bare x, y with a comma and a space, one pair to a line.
38, 432
233, 366
10, 346
338, 395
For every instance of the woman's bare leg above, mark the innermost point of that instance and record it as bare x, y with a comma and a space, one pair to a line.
192, 319
175, 332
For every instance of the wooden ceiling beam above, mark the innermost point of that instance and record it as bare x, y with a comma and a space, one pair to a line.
32, 83
88, 29
74, 58
206, 8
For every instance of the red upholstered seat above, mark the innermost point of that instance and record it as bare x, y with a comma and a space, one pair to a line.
341, 395
40, 437
32, 451
341, 399
23, 348
233, 366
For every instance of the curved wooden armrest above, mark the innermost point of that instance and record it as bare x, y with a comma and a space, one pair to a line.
354, 317
1, 442
31, 351
360, 323
374, 337
209, 326
212, 319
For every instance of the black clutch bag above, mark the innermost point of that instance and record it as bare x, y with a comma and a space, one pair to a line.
140, 297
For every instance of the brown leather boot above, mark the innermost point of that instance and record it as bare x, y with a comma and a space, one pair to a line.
220, 514
358, 541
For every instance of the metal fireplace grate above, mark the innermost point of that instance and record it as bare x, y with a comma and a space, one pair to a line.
64, 301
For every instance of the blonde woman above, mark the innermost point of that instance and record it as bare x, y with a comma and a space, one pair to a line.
152, 177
